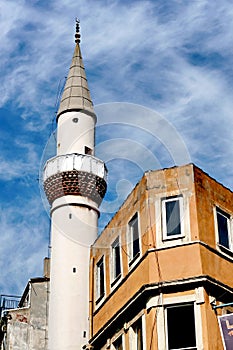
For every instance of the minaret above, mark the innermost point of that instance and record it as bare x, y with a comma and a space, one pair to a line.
75, 184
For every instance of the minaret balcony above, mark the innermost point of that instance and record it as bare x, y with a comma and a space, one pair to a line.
75, 174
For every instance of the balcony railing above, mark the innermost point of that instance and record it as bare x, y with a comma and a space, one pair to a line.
75, 161
8, 302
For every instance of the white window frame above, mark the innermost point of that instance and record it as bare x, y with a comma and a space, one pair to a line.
228, 216
114, 277
180, 200
133, 257
99, 295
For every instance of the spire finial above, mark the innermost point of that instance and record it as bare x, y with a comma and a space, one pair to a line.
77, 34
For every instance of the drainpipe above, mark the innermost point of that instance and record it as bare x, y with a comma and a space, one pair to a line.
91, 283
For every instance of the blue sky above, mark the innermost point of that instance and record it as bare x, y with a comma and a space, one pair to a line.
168, 64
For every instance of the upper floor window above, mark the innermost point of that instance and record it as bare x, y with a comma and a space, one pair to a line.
116, 259
172, 215
133, 237
181, 332
100, 287
224, 228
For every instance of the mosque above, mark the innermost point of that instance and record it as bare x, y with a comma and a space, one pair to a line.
158, 277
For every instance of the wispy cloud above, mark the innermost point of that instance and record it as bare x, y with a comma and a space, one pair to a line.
19, 164
24, 241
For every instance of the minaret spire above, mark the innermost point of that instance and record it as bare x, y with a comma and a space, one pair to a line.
76, 95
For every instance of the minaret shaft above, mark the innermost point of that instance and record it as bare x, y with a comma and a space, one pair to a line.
78, 123
69, 298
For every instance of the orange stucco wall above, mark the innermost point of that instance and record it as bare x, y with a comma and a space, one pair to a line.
209, 193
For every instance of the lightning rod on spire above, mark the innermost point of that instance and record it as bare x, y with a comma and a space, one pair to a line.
77, 34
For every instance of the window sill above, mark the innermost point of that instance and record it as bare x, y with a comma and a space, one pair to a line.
225, 250
115, 280
171, 238
99, 299
136, 256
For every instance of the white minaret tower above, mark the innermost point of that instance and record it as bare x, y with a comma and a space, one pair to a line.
75, 184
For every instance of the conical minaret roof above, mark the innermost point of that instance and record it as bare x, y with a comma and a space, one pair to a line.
76, 95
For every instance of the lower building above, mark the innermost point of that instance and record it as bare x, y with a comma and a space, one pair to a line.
7, 302
26, 326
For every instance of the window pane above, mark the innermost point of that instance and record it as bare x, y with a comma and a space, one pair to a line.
173, 217
134, 235
116, 258
223, 229
135, 246
100, 278
181, 327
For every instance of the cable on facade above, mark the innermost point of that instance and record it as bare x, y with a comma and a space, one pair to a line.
160, 281
60, 88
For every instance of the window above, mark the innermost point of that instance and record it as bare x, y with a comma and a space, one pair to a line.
172, 214
223, 225
116, 259
134, 246
181, 333
137, 342
88, 151
117, 344
100, 279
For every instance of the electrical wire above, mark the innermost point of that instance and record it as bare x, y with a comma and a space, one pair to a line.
160, 279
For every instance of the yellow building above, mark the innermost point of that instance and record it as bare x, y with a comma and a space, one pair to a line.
161, 271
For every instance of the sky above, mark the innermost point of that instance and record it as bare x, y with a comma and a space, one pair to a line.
161, 80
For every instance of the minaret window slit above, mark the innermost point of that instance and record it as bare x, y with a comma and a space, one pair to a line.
88, 151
